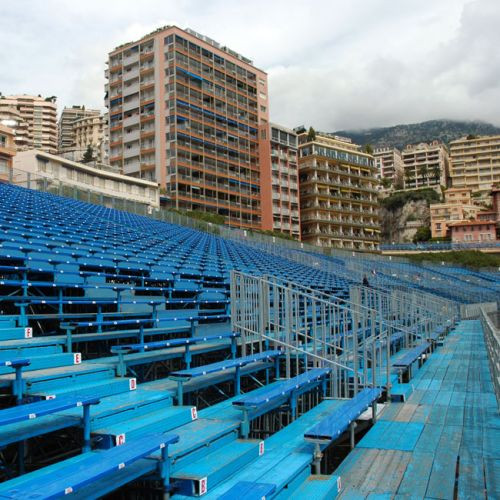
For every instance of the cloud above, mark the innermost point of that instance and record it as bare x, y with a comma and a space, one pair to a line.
333, 64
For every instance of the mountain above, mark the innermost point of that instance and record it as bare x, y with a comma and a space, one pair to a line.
401, 135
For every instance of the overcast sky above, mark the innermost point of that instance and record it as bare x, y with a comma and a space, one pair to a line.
332, 64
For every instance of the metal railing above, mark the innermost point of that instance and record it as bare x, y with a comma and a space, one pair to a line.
492, 341
353, 337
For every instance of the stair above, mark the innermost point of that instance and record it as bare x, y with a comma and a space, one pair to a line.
317, 487
135, 426
16, 333
195, 478
53, 360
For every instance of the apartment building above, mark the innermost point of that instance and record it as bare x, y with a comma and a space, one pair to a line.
425, 165
45, 169
192, 115
11, 117
338, 192
389, 163
457, 207
475, 163
36, 121
66, 132
7, 151
284, 181
91, 131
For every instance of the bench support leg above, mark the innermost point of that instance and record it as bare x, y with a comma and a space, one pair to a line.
187, 357
234, 347
18, 385
165, 472
121, 369
141, 336
179, 393
374, 412
317, 459
69, 340
352, 434
245, 425
237, 381
86, 428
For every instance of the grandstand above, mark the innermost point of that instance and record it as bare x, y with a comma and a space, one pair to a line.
145, 359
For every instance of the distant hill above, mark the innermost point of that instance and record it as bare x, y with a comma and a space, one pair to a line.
401, 135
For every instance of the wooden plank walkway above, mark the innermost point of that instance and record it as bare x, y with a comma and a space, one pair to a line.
444, 442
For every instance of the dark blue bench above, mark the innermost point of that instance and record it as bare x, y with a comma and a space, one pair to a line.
121, 350
253, 406
405, 362
237, 363
18, 365
331, 427
249, 490
90, 469
182, 322
39, 409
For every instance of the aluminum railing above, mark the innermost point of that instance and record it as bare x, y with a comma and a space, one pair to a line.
492, 341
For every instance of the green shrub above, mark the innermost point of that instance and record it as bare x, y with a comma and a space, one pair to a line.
399, 199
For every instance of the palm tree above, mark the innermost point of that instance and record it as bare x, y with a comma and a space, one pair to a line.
423, 173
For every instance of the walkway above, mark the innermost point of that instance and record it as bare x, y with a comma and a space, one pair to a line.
444, 442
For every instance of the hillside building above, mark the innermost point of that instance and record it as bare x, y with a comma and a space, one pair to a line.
338, 193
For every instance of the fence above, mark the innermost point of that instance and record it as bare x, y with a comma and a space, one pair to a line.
492, 340
352, 337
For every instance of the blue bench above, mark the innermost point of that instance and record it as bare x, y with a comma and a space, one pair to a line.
253, 406
237, 363
90, 469
344, 417
249, 490
405, 362
182, 322
18, 365
122, 350
39, 409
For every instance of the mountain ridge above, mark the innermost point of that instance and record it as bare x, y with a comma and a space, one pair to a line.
413, 133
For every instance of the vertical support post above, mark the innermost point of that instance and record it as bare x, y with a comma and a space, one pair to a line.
18, 385
317, 459
237, 381
179, 393
352, 434
86, 428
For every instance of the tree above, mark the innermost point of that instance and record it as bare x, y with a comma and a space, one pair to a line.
436, 173
386, 182
424, 171
88, 155
311, 135
369, 149
422, 234
409, 174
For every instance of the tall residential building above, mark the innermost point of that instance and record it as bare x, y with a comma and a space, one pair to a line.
192, 115
425, 165
285, 190
39, 120
66, 137
7, 151
338, 193
475, 163
389, 163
